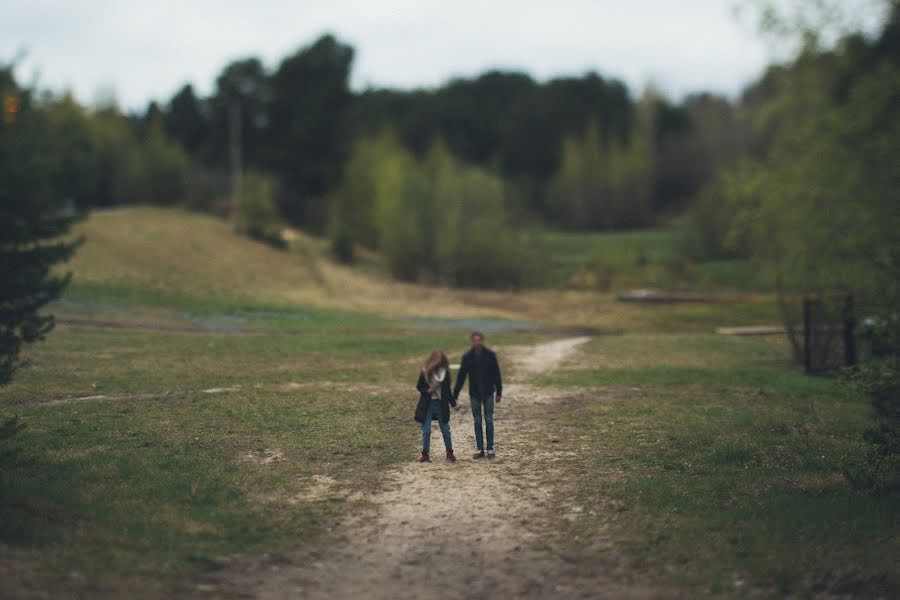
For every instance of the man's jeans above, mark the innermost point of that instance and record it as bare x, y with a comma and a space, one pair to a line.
434, 410
488, 404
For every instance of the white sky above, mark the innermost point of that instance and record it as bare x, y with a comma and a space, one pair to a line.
139, 50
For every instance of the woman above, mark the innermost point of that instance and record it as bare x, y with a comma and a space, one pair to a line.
435, 400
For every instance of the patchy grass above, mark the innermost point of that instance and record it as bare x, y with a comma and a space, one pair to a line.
161, 479
721, 466
714, 462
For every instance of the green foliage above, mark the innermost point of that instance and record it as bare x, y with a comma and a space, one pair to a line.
306, 143
600, 187
164, 168
879, 469
399, 194
710, 219
352, 219
816, 203
476, 244
32, 226
120, 160
431, 219
879, 380
820, 203
255, 214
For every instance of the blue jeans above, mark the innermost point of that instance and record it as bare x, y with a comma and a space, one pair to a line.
488, 422
434, 410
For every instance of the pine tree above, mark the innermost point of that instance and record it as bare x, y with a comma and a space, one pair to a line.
32, 226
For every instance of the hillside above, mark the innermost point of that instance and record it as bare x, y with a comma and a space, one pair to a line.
171, 259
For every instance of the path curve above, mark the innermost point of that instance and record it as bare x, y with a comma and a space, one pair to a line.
442, 530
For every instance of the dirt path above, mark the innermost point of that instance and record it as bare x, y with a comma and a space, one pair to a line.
464, 530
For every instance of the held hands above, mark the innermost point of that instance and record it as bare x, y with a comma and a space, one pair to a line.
497, 398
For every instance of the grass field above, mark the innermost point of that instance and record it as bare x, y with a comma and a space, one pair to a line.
723, 466
161, 477
643, 259
149, 457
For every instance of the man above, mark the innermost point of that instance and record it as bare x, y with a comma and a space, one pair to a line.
480, 365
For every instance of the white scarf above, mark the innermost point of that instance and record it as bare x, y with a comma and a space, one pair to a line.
435, 382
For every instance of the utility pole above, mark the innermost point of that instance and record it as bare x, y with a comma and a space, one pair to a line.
234, 144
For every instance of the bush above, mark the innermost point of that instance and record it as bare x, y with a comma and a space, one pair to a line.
477, 247
880, 470
400, 196
432, 219
165, 168
352, 205
255, 214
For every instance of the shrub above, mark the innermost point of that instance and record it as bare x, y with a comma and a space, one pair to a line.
477, 247
879, 380
879, 471
255, 214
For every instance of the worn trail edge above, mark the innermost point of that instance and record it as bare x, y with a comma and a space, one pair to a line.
444, 530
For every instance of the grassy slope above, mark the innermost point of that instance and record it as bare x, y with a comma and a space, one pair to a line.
684, 439
652, 258
159, 263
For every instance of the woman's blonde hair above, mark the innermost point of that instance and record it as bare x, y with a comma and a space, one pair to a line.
436, 360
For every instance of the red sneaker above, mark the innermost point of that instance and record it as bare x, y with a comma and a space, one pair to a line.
450, 456
424, 458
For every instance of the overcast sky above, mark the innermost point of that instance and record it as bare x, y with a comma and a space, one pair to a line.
140, 50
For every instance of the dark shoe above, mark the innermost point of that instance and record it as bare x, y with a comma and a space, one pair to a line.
490, 454
450, 456
478, 455
424, 458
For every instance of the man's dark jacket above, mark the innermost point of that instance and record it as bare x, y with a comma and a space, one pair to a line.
447, 399
483, 372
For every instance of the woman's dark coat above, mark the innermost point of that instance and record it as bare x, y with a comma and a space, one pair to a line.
425, 398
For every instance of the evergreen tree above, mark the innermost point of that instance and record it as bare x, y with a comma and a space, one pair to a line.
32, 223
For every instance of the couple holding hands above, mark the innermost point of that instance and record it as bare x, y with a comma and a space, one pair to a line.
480, 365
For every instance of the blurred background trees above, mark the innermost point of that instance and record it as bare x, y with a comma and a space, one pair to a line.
799, 171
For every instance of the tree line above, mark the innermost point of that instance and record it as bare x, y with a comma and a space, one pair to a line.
579, 153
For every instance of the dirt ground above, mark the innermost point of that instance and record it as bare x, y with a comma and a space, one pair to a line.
442, 530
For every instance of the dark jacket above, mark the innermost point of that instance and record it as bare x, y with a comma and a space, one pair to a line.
447, 399
483, 373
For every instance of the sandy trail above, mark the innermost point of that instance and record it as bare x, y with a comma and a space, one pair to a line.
442, 530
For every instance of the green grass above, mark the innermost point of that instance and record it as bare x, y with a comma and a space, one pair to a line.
142, 492
654, 258
709, 461
722, 466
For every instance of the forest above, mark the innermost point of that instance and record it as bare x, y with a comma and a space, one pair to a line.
799, 171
